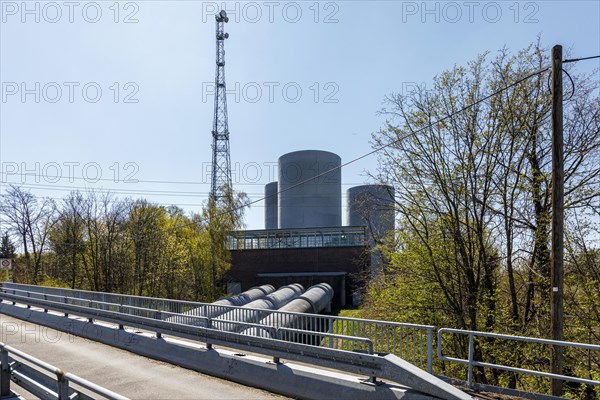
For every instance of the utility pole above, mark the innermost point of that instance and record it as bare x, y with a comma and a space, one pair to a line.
220, 189
558, 176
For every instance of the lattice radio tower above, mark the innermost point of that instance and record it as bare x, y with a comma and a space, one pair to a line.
220, 200
220, 190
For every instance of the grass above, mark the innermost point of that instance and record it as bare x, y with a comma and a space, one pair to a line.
350, 313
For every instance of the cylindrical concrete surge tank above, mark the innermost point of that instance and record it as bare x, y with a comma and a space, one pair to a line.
221, 306
316, 299
305, 202
271, 208
251, 312
372, 206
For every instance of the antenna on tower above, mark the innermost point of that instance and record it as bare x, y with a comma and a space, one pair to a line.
221, 194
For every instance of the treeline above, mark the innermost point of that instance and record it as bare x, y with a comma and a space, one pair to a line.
95, 241
472, 246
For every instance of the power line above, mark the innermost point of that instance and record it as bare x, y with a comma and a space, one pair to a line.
412, 133
580, 59
128, 181
375, 150
343, 195
382, 147
108, 190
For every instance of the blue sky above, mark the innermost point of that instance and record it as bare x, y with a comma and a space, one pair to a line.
124, 89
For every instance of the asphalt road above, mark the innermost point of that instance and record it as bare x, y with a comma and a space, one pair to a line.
126, 373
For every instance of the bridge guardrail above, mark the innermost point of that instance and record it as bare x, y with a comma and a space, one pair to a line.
58, 388
412, 342
385, 367
471, 362
315, 338
337, 334
343, 360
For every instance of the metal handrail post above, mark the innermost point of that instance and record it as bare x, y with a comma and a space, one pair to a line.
430, 350
372, 379
158, 316
470, 365
274, 332
209, 325
63, 386
4, 373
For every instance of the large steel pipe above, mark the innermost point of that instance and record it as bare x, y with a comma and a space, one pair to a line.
251, 312
221, 306
246, 297
314, 300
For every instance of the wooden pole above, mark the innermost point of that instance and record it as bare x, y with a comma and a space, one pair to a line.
556, 309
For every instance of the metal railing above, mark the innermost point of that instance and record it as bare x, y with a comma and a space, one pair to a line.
175, 306
345, 236
55, 386
324, 340
168, 321
356, 362
471, 362
412, 342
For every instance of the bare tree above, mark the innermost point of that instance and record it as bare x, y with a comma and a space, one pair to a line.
67, 239
28, 218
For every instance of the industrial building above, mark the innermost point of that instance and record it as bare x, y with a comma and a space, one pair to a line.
304, 240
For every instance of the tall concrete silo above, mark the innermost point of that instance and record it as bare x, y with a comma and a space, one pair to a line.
271, 208
372, 206
316, 203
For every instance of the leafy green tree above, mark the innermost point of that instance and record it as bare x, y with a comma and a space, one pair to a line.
7, 248
472, 183
443, 175
102, 243
220, 222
